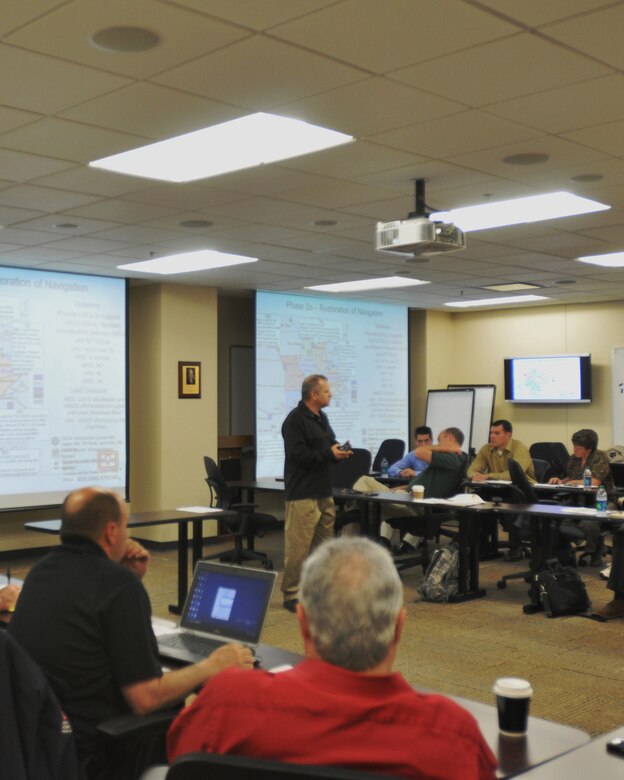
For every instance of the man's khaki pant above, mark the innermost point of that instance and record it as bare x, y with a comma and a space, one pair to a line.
308, 523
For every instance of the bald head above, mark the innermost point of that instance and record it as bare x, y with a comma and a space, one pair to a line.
87, 511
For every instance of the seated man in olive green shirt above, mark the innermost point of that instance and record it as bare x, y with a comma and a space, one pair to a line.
492, 462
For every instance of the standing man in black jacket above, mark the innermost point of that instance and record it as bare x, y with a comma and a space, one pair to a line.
310, 446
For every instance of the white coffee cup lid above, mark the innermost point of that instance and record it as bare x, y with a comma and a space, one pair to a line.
512, 687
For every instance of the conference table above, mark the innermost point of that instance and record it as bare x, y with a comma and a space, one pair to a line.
372, 503
181, 518
589, 760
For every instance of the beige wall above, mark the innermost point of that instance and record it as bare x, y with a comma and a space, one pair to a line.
169, 436
470, 346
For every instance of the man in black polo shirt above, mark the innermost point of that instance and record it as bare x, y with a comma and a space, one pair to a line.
310, 446
85, 618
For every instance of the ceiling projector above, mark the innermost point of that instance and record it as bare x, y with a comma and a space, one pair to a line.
418, 235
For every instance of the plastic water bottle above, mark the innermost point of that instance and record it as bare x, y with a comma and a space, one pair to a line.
384, 467
601, 500
587, 478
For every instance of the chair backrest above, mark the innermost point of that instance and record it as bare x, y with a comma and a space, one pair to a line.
35, 741
555, 452
390, 449
542, 467
345, 472
218, 486
521, 481
210, 766
617, 472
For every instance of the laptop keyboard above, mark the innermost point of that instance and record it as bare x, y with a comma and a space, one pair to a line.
194, 644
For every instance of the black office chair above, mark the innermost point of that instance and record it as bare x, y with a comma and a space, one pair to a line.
541, 468
555, 452
522, 492
247, 524
343, 473
210, 766
617, 472
390, 449
33, 741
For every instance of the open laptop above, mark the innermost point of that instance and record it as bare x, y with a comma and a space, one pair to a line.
224, 604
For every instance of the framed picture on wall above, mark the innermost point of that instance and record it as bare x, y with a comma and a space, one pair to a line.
189, 379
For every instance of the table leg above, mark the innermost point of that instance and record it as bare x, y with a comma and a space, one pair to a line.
539, 542
176, 609
468, 541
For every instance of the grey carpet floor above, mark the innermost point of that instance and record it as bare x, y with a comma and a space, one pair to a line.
576, 666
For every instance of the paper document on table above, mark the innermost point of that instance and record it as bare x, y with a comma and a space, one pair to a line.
466, 499
579, 510
198, 510
492, 482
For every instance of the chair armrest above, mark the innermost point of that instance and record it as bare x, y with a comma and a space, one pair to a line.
158, 772
242, 507
132, 726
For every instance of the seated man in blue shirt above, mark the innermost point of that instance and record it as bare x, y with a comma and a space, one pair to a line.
410, 466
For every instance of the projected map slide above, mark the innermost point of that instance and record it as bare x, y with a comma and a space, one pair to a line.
62, 385
360, 346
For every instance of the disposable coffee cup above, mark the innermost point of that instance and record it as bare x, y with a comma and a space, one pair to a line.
418, 491
513, 698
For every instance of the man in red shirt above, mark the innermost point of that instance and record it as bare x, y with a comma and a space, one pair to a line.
342, 705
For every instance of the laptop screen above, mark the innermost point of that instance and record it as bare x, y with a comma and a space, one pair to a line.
228, 601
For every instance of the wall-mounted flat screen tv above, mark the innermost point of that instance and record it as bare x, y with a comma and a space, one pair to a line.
548, 379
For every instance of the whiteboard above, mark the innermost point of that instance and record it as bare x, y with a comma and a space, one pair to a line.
451, 409
483, 411
617, 394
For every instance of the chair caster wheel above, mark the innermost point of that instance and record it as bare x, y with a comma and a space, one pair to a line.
501, 584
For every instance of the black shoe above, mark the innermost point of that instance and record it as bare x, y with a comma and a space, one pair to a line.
291, 605
405, 548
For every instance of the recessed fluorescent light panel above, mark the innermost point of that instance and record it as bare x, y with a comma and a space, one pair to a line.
202, 260
611, 260
385, 283
498, 301
536, 208
511, 287
230, 146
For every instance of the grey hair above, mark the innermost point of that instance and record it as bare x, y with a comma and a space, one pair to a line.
309, 384
352, 595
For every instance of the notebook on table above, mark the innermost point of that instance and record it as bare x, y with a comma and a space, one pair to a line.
224, 604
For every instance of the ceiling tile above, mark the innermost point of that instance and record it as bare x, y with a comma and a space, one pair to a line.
537, 12
31, 81
184, 34
598, 34
282, 73
392, 34
524, 64
607, 138
152, 111
69, 140
41, 198
466, 132
571, 107
348, 108
251, 13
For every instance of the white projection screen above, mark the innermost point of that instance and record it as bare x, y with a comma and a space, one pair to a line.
63, 385
362, 349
